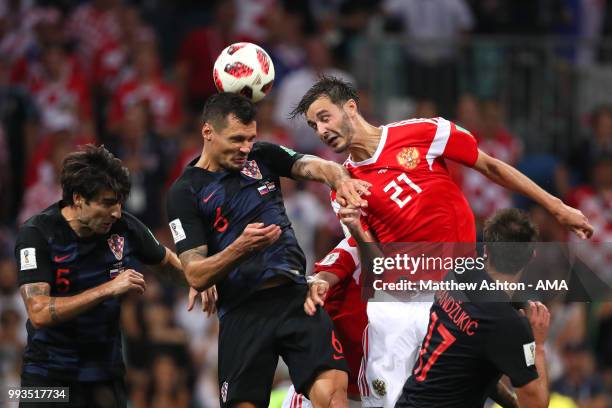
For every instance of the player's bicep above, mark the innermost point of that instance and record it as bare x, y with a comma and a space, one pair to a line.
186, 224
280, 159
455, 143
32, 257
511, 348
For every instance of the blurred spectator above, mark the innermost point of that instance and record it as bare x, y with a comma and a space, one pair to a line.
91, 25
27, 28
295, 86
285, 43
603, 340
198, 52
251, 19
148, 86
168, 384
47, 190
143, 154
579, 380
111, 59
62, 127
189, 147
57, 85
432, 30
18, 134
267, 128
494, 139
597, 144
307, 218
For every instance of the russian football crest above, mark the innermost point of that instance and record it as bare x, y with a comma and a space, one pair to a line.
409, 157
380, 388
115, 243
251, 169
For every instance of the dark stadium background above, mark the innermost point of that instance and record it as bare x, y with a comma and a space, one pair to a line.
532, 79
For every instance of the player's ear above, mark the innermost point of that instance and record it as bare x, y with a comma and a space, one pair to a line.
350, 107
77, 199
207, 132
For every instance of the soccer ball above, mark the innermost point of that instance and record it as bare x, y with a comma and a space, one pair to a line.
245, 69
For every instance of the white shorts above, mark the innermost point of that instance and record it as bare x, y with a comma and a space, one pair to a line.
391, 345
295, 400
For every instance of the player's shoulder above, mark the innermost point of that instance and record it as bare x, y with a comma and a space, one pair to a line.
268, 150
191, 180
415, 123
47, 221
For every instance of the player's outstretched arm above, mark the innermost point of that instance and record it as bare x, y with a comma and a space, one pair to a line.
202, 271
348, 190
170, 269
45, 310
535, 394
509, 177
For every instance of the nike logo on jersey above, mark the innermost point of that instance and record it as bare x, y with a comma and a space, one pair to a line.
209, 196
59, 259
337, 357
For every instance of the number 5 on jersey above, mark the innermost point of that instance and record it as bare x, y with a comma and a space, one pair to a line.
398, 190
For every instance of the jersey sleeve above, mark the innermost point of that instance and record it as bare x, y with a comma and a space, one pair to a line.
33, 257
150, 251
453, 142
511, 348
341, 261
188, 228
278, 158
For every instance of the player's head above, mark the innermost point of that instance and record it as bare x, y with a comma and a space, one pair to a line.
229, 129
509, 236
96, 184
330, 105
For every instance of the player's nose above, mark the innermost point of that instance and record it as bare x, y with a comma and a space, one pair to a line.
116, 212
322, 131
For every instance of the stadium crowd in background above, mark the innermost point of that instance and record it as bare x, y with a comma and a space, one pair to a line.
133, 75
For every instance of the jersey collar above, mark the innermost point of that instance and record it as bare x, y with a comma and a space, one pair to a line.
379, 149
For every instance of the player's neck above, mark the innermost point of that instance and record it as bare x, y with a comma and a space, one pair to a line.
70, 215
365, 141
498, 276
206, 163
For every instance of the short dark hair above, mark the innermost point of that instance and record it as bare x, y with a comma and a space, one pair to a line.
500, 231
91, 170
219, 106
337, 90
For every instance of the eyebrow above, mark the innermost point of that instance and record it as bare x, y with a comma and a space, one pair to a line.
321, 113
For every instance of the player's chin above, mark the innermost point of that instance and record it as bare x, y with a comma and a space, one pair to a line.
340, 147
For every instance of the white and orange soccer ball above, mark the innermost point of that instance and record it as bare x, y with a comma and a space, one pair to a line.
246, 69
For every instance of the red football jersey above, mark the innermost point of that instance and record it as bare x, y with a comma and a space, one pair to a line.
344, 304
413, 198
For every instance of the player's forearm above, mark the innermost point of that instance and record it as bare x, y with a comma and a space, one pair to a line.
205, 272
170, 270
316, 169
46, 311
512, 179
538, 395
331, 278
503, 396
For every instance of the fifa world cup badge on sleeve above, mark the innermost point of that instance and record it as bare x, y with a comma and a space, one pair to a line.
28, 258
529, 350
178, 233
